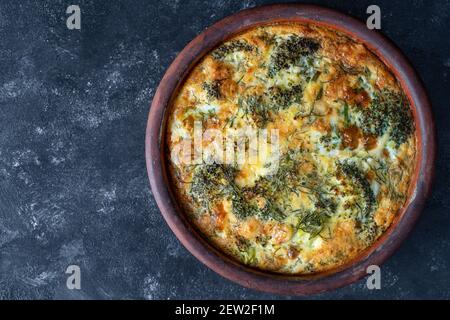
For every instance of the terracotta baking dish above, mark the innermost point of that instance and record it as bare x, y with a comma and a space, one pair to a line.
226, 266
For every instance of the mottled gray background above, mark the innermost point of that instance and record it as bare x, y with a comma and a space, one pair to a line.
73, 182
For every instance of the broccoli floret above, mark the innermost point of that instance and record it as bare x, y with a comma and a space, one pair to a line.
213, 182
283, 98
400, 119
233, 46
212, 89
216, 181
359, 180
210, 182
261, 107
388, 111
375, 118
368, 231
289, 51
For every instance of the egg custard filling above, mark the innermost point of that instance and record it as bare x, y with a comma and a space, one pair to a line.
338, 158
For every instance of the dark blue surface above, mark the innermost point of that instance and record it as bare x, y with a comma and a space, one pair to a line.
73, 182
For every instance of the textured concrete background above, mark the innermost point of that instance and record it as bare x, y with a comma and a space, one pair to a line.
73, 182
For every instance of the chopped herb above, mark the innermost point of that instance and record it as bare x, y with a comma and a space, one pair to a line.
319, 94
308, 68
326, 139
346, 115
315, 76
257, 108
312, 222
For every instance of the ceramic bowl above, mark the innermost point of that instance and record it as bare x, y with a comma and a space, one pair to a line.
224, 265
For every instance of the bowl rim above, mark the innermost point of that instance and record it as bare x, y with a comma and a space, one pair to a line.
420, 186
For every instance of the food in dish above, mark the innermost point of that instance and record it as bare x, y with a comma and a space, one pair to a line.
337, 160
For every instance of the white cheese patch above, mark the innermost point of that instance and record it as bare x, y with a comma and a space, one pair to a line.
207, 108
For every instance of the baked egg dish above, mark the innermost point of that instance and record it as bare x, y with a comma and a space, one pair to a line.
291, 148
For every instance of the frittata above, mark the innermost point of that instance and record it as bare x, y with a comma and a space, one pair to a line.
338, 158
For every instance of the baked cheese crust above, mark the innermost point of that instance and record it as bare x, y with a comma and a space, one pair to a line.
346, 147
